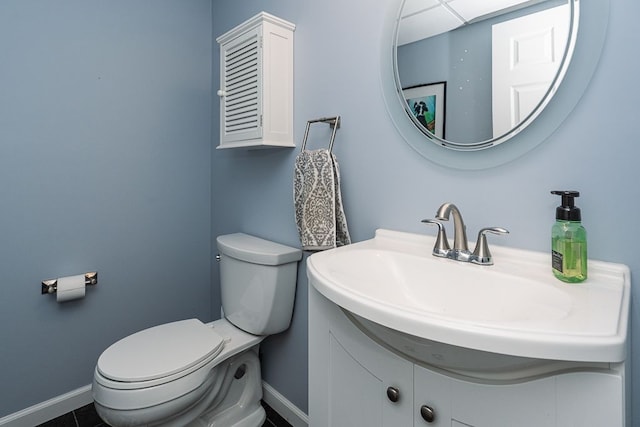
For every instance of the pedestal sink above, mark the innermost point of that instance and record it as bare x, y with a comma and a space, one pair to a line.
513, 316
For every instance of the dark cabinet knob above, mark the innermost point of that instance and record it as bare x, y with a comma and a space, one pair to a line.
427, 413
393, 394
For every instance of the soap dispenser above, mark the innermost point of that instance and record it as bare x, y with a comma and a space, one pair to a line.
568, 241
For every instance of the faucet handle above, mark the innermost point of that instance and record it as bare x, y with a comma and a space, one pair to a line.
441, 248
481, 254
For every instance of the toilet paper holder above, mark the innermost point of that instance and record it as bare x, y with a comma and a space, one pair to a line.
50, 286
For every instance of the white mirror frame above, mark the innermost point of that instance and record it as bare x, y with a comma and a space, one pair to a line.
594, 17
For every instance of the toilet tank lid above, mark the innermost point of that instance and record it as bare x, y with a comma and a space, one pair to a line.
256, 250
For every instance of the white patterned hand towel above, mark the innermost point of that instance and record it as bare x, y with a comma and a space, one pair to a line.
318, 204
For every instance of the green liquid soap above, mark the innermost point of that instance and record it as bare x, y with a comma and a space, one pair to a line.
568, 241
569, 252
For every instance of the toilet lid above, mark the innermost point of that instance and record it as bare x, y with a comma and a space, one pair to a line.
160, 351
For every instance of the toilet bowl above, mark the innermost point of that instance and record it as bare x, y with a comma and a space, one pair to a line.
188, 373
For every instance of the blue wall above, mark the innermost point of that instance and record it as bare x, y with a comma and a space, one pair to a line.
106, 130
105, 147
386, 184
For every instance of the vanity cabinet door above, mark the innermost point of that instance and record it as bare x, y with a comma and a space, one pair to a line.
592, 399
432, 395
368, 385
366, 396
352, 380
527, 404
354, 392
576, 399
466, 404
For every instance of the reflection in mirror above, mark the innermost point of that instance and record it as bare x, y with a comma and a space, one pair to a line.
472, 73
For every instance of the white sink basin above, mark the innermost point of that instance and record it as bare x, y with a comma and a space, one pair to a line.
432, 309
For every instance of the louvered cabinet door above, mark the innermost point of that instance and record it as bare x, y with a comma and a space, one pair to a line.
256, 84
241, 103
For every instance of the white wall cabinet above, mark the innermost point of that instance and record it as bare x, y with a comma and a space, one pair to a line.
350, 375
256, 84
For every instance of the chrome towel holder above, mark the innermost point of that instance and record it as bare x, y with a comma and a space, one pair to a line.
334, 122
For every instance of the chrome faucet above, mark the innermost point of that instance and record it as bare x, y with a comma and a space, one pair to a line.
460, 248
460, 252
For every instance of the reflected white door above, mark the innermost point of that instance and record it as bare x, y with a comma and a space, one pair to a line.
527, 54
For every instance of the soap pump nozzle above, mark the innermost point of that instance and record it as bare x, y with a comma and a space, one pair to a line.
568, 210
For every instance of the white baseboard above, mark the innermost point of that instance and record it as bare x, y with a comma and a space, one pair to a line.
284, 407
50, 409
60, 405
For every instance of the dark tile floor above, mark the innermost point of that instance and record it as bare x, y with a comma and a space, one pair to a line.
82, 417
87, 417
273, 418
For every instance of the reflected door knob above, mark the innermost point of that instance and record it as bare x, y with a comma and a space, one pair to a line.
393, 394
427, 413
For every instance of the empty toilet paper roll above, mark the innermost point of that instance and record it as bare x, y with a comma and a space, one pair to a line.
70, 288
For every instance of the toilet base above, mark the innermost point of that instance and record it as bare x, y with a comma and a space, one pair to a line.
255, 418
242, 391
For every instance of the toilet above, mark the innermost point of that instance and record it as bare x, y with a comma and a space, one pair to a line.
188, 373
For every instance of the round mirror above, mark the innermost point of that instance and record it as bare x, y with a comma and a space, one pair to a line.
482, 150
471, 74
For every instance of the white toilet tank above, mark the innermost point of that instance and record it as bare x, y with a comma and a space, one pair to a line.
257, 282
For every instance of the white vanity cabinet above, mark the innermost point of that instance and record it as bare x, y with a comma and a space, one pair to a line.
256, 84
350, 376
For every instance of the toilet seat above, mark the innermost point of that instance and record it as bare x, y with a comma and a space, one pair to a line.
159, 354
134, 395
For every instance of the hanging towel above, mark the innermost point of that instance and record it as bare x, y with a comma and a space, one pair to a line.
319, 214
